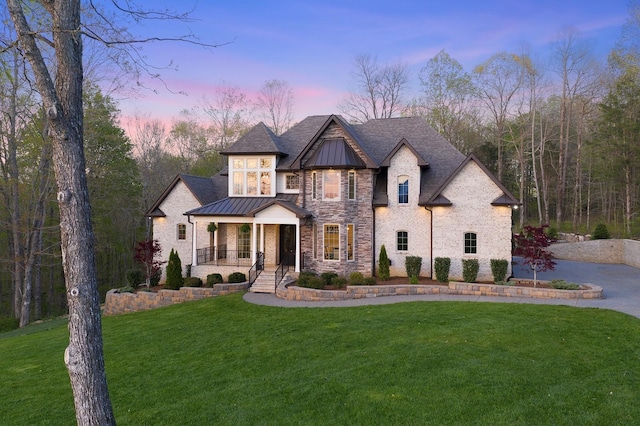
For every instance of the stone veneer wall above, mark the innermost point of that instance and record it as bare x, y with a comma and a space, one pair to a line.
599, 251
455, 288
121, 303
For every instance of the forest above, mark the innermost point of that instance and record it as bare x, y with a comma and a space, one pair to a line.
560, 128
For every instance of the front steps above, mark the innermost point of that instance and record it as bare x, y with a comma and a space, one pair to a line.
265, 283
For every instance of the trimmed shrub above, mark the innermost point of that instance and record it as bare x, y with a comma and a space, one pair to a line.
237, 277
470, 268
601, 232
135, 277
174, 271
383, 264
369, 281
339, 282
414, 280
327, 277
305, 277
192, 282
213, 279
499, 269
442, 265
413, 264
356, 278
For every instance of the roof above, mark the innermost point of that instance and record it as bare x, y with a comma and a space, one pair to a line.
205, 190
334, 153
258, 140
244, 206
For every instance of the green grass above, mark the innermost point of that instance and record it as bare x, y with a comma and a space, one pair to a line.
225, 362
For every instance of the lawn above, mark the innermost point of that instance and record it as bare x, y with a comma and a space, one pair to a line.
225, 362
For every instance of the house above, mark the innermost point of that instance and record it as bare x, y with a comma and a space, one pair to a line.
326, 195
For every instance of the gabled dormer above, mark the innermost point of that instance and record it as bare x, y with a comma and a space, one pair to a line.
252, 163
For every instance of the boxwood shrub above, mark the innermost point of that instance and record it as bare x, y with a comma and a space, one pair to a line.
470, 268
213, 279
499, 269
237, 277
442, 265
192, 282
413, 264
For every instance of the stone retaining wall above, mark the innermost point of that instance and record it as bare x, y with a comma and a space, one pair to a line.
599, 251
459, 288
120, 303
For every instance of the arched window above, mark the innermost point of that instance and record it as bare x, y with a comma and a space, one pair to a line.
470, 243
403, 189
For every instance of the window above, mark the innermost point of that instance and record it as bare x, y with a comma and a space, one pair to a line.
244, 244
252, 176
332, 242
403, 189
331, 185
292, 182
350, 241
314, 186
402, 239
182, 231
315, 241
352, 185
470, 243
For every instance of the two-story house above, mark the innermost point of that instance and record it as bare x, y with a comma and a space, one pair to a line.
326, 195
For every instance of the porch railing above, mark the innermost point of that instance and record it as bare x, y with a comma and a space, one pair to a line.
223, 257
256, 268
283, 268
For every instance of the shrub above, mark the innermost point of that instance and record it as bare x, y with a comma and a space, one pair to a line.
442, 265
237, 277
470, 269
601, 232
192, 282
414, 280
327, 277
154, 279
383, 264
356, 278
174, 271
8, 324
369, 281
499, 269
413, 264
135, 277
552, 233
305, 277
563, 285
213, 279
338, 282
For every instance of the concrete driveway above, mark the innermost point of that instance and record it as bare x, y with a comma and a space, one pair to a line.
621, 283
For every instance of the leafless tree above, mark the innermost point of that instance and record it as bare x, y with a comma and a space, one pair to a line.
230, 115
378, 90
275, 105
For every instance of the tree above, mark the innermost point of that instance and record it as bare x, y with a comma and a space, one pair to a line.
147, 253
531, 245
229, 114
379, 90
62, 99
174, 271
383, 264
275, 103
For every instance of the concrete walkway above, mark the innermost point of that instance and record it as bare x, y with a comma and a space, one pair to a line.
621, 284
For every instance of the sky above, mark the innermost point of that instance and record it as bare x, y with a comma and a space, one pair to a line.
311, 45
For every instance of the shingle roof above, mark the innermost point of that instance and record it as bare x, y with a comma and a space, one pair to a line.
259, 140
206, 190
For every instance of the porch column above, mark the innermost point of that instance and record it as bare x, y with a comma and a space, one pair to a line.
262, 237
194, 243
215, 243
254, 242
298, 253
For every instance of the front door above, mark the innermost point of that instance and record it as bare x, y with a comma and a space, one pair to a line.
288, 244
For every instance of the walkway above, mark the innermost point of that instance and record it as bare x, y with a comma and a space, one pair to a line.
621, 284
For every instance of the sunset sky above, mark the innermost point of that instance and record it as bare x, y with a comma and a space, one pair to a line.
311, 45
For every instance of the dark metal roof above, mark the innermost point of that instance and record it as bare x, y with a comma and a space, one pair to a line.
239, 206
298, 211
334, 153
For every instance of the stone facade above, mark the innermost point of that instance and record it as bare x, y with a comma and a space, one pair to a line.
599, 251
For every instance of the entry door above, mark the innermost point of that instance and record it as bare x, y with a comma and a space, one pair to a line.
288, 244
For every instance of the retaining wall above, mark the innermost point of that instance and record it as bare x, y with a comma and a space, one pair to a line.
590, 291
120, 303
599, 251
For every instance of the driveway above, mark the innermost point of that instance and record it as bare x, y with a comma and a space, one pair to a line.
621, 283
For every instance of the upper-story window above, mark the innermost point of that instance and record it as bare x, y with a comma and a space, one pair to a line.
352, 185
403, 189
181, 231
252, 176
314, 185
292, 182
331, 185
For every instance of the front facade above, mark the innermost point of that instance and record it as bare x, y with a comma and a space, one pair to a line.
326, 195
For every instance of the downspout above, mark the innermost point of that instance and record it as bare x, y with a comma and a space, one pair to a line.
194, 255
430, 238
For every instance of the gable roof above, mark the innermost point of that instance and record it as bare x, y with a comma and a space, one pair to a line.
403, 142
437, 199
334, 153
205, 190
258, 140
369, 162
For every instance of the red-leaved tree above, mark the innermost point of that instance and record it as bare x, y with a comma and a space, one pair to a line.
531, 244
147, 254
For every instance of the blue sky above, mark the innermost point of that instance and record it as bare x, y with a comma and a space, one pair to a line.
311, 45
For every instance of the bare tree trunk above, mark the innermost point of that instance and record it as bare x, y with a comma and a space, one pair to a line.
63, 103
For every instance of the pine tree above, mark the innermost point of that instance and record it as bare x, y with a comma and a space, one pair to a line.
174, 271
383, 264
